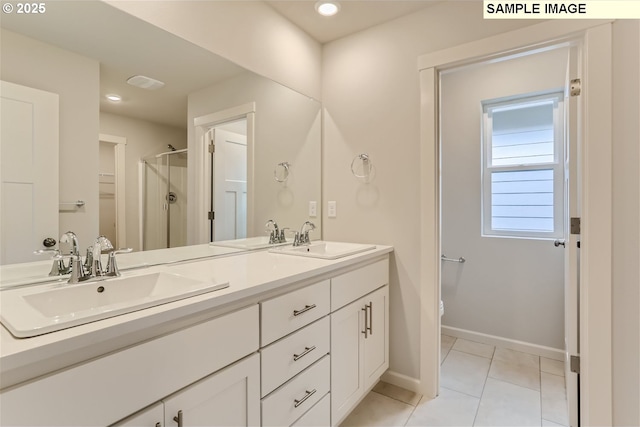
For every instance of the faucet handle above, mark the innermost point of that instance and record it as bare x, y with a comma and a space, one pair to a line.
77, 268
58, 268
112, 266
283, 238
47, 251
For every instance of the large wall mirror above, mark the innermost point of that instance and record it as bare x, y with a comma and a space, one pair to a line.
140, 169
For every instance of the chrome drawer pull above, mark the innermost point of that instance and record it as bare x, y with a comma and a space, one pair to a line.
370, 317
306, 396
366, 327
306, 351
178, 419
304, 310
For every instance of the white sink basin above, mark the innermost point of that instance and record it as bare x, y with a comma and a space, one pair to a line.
324, 250
34, 311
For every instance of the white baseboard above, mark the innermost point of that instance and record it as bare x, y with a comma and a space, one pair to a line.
400, 380
539, 350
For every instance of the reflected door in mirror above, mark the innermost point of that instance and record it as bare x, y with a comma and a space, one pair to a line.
29, 172
229, 183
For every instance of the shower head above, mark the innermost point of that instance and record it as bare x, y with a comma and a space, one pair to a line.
171, 147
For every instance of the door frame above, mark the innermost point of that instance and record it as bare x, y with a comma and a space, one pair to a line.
199, 167
119, 145
595, 181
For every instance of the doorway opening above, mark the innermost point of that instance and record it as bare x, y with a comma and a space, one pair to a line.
111, 182
504, 201
223, 158
228, 180
594, 127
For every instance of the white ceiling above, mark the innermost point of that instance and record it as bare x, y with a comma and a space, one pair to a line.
354, 15
126, 46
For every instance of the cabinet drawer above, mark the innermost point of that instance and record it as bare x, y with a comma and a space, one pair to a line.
318, 416
292, 400
350, 286
284, 359
284, 314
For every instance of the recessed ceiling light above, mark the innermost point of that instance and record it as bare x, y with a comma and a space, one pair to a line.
113, 97
327, 8
145, 82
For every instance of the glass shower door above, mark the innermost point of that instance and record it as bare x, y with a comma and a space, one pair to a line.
165, 200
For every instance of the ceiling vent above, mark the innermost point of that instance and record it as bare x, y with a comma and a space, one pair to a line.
145, 82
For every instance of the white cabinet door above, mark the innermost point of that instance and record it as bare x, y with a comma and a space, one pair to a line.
376, 343
230, 397
358, 359
347, 385
152, 416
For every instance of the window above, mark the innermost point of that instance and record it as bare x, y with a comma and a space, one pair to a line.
523, 167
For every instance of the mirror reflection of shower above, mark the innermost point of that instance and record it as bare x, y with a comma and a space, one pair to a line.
164, 199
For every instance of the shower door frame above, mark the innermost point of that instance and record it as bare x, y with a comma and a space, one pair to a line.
594, 38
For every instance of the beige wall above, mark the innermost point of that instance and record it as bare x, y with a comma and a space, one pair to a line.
249, 33
512, 288
75, 78
371, 97
626, 217
143, 139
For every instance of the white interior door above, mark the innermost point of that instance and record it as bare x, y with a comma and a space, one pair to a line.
230, 185
571, 249
28, 171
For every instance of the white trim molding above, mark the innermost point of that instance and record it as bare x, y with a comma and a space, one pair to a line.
400, 380
595, 134
526, 347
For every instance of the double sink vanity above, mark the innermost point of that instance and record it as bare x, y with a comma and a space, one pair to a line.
205, 335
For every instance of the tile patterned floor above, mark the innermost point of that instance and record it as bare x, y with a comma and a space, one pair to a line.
480, 386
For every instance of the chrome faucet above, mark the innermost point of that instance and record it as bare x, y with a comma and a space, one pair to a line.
302, 237
92, 266
69, 244
276, 235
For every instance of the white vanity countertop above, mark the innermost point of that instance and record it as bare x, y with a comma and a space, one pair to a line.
249, 274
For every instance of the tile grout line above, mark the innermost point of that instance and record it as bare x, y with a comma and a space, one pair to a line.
398, 400
475, 417
540, 376
413, 411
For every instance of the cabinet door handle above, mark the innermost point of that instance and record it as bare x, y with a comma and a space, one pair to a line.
178, 418
370, 317
306, 351
366, 321
304, 310
306, 396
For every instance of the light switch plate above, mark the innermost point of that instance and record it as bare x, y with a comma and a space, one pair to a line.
313, 209
332, 209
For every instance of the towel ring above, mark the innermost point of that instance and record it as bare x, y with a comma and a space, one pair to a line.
281, 172
364, 171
